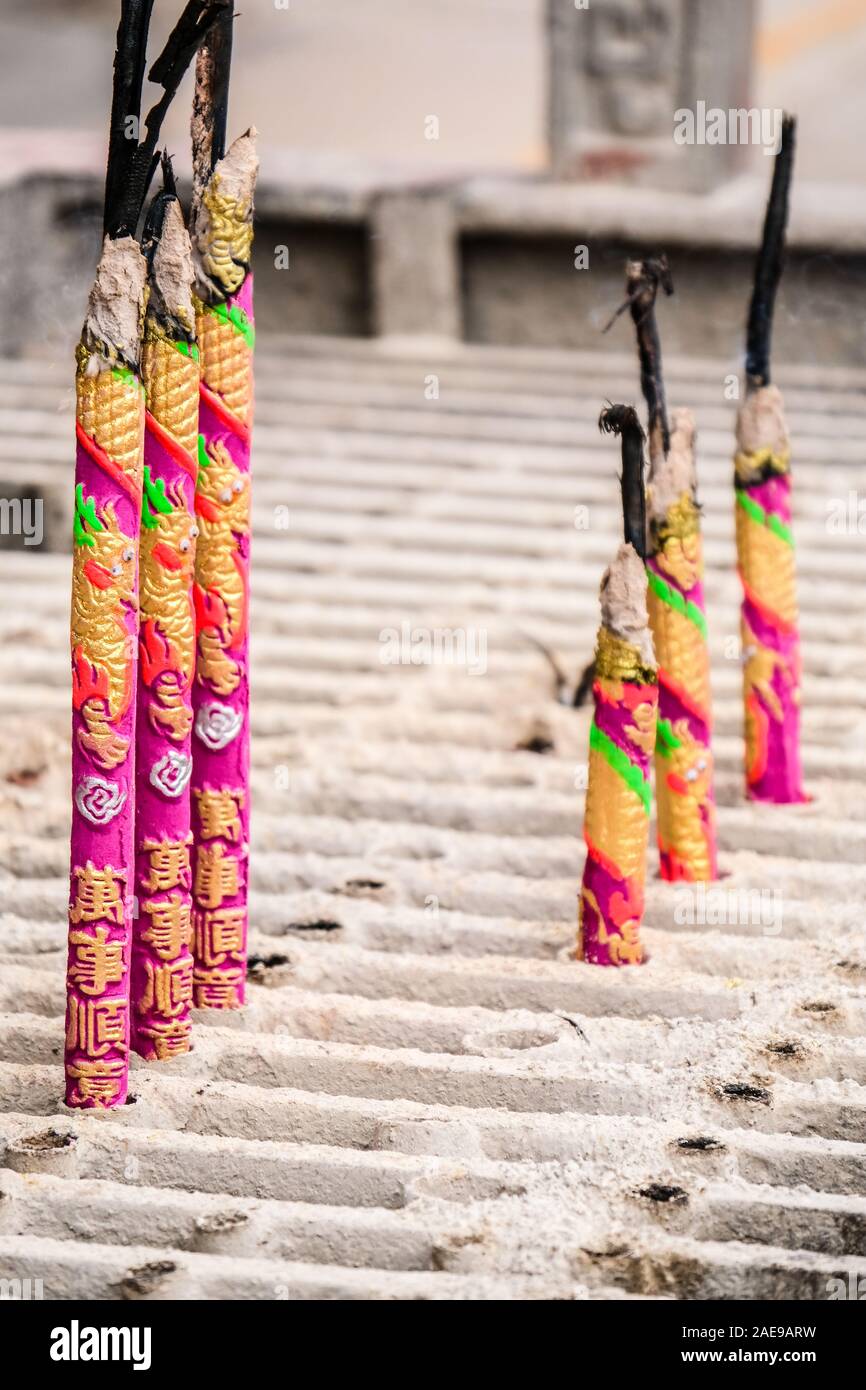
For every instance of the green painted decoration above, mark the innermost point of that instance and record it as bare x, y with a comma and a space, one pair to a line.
666, 739
238, 320
762, 517
153, 499
674, 599
85, 516
621, 764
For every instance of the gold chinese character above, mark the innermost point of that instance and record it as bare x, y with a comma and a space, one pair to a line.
95, 1025
219, 814
168, 988
170, 926
218, 989
169, 865
169, 1039
98, 895
217, 875
97, 961
220, 934
99, 1082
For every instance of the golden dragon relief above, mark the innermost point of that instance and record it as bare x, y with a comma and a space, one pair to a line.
686, 817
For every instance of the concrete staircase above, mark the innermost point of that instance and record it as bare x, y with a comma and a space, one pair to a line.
426, 1098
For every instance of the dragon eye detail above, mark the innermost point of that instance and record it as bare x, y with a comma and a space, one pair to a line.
226, 494
117, 569
239, 485
128, 553
184, 545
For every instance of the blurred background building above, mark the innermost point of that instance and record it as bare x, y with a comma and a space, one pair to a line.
431, 168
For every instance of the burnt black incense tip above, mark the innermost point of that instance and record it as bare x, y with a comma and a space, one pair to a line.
655, 271
132, 160
643, 280
620, 419
623, 420
770, 261
211, 98
130, 58
220, 45
198, 21
155, 216
169, 182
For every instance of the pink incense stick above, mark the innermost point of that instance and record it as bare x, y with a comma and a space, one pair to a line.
109, 422
222, 232
162, 956
221, 753
108, 469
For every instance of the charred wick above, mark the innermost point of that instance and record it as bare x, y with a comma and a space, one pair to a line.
132, 163
211, 97
622, 420
220, 47
770, 262
155, 216
152, 233
643, 279
130, 59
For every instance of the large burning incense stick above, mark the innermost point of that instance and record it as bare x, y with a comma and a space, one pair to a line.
622, 734
686, 819
765, 545
104, 625
222, 232
162, 957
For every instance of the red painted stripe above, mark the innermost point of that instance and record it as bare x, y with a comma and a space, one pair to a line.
206, 508
774, 620
603, 860
685, 699
758, 766
107, 464
225, 416
182, 457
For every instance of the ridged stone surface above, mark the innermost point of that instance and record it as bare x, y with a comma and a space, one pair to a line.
426, 1097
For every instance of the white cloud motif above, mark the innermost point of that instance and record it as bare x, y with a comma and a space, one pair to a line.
99, 800
171, 773
218, 725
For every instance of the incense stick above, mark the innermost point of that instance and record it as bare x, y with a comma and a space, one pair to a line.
221, 228
161, 958
769, 623
109, 426
622, 734
105, 623
686, 818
